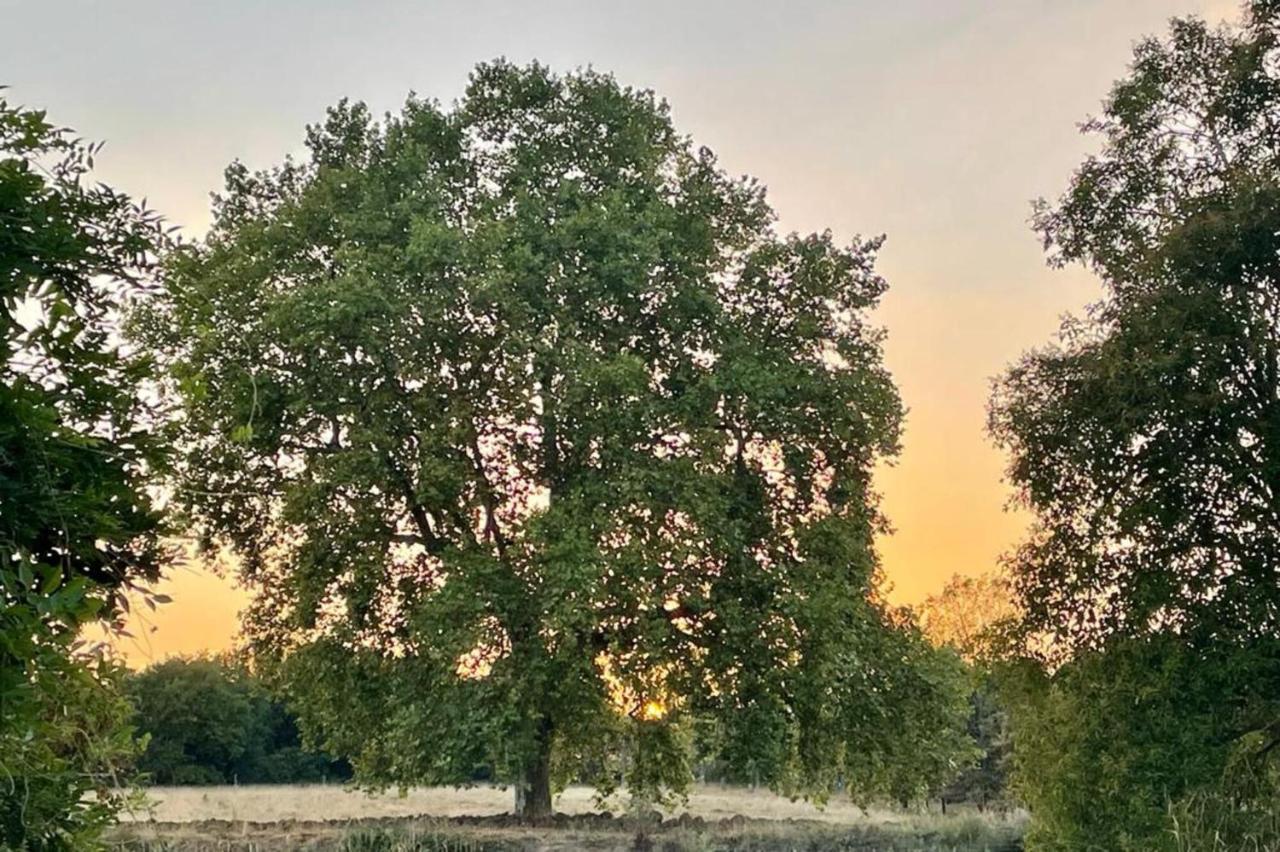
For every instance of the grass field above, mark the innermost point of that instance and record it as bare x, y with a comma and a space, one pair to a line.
315, 817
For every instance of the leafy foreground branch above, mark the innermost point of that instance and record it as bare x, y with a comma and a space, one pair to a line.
77, 529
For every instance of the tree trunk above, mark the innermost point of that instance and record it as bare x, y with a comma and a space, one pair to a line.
533, 788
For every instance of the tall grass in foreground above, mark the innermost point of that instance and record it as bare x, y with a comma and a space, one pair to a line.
398, 841
1214, 823
966, 835
357, 841
908, 833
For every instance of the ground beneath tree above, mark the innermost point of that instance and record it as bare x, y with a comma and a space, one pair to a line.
320, 817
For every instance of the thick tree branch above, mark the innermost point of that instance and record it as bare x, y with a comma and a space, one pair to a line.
487, 498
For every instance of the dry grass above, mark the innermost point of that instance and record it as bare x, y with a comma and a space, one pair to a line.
320, 818
333, 802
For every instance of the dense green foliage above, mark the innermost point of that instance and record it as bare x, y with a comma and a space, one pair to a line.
547, 458
211, 721
76, 527
984, 781
1147, 442
1108, 742
538, 442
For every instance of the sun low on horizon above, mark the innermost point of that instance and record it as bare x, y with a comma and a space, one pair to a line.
935, 127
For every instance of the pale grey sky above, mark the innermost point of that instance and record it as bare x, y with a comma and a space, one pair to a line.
933, 121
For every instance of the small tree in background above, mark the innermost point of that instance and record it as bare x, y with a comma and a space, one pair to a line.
537, 440
971, 616
211, 721
76, 526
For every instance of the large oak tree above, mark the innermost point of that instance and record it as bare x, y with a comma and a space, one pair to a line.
537, 441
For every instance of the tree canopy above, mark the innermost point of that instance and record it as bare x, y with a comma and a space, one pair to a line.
1148, 441
973, 615
969, 615
536, 438
77, 527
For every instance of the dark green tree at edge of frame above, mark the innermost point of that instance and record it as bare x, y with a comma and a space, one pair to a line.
538, 442
1147, 443
76, 526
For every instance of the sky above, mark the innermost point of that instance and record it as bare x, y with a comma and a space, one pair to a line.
934, 122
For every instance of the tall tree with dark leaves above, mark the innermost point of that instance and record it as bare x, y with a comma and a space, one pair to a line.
77, 528
1147, 440
536, 439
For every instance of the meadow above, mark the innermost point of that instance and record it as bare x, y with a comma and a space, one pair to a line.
266, 818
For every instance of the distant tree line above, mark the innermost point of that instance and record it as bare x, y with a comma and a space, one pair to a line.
209, 720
